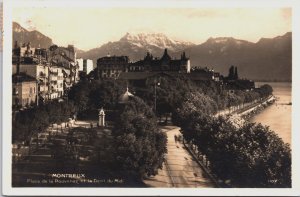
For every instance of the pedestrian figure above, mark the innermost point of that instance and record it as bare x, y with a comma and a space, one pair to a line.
175, 138
179, 138
91, 125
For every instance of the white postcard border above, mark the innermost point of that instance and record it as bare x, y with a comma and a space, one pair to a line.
6, 101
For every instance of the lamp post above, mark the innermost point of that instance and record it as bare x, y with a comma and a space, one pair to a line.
155, 94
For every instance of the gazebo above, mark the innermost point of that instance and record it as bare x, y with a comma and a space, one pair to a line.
125, 97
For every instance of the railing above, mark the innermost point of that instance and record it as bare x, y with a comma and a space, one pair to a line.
204, 163
169, 173
244, 107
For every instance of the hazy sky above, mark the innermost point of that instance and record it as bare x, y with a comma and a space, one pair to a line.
88, 28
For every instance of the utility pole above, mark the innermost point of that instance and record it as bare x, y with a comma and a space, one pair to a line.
155, 95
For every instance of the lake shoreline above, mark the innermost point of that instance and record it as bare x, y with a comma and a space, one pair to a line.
278, 115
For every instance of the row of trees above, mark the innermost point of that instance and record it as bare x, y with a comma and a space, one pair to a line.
225, 98
34, 120
249, 156
265, 90
170, 92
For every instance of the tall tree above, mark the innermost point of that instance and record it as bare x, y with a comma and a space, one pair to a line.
236, 76
140, 145
231, 73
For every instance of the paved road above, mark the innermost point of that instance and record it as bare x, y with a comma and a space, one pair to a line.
180, 169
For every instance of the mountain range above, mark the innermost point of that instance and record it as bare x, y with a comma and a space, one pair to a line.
136, 46
36, 39
267, 59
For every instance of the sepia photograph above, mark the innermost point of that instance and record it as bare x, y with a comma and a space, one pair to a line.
153, 96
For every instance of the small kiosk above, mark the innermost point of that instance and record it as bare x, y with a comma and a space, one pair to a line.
101, 114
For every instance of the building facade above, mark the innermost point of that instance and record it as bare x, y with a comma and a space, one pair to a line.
112, 66
56, 82
38, 71
85, 65
24, 90
55, 69
88, 66
65, 57
163, 64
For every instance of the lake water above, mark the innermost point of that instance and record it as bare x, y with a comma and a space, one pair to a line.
279, 115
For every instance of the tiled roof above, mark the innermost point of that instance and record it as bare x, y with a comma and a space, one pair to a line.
114, 58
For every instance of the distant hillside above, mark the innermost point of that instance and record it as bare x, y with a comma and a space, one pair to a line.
37, 39
268, 59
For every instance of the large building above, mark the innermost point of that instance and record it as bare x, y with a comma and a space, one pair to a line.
112, 66
65, 57
203, 74
165, 63
40, 72
25, 51
116, 66
138, 72
24, 90
56, 82
85, 65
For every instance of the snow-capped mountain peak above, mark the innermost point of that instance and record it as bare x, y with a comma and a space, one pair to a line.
158, 40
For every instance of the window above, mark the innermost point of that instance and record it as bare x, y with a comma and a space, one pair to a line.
30, 91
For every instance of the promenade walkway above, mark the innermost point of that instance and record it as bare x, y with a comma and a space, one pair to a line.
180, 169
240, 109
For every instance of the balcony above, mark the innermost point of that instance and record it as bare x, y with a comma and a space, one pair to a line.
53, 73
42, 75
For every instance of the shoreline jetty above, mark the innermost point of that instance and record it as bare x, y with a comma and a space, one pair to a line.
240, 116
257, 107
